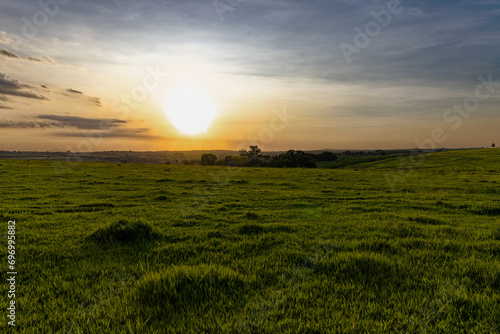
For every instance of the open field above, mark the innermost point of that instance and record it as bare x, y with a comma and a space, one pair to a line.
122, 248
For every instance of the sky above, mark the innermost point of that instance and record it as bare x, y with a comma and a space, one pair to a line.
99, 75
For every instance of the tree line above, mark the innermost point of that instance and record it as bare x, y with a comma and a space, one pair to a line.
254, 158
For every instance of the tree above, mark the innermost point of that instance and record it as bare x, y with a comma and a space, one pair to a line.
231, 161
326, 156
493, 145
254, 152
304, 160
253, 156
239, 161
292, 159
208, 159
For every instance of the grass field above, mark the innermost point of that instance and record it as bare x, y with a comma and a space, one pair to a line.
107, 248
350, 161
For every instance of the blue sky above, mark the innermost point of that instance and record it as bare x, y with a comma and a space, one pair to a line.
254, 58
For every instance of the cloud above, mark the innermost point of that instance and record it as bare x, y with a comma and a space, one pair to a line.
4, 39
94, 127
71, 90
11, 86
96, 101
5, 98
142, 133
58, 121
83, 122
21, 124
36, 60
5, 107
42, 60
9, 54
47, 59
9, 82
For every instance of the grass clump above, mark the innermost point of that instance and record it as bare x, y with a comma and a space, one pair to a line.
426, 220
365, 268
487, 211
251, 216
251, 229
173, 293
496, 234
162, 198
124, 231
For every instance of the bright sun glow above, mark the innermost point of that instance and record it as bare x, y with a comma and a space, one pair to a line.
190, 110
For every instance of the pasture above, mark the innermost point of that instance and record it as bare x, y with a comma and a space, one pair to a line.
123, 248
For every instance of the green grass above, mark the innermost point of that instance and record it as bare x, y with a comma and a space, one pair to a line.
377, 247
350, 161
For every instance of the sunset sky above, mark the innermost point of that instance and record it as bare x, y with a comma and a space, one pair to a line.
99, 75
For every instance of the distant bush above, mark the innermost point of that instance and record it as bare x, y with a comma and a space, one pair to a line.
208, 160
326, 156
292, 158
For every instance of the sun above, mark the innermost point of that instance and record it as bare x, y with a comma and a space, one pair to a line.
190, 110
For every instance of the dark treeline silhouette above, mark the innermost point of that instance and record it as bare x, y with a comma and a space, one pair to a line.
254, 158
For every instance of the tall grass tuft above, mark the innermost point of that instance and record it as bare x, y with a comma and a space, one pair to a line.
124, 231
173, 293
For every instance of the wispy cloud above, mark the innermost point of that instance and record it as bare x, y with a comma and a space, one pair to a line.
31, 124
9, 54
96, 101
4, 39
39, 59
63, 121
101, 127
141, 133
11, 86
83, 122
71, 90
35, 60
42, 60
